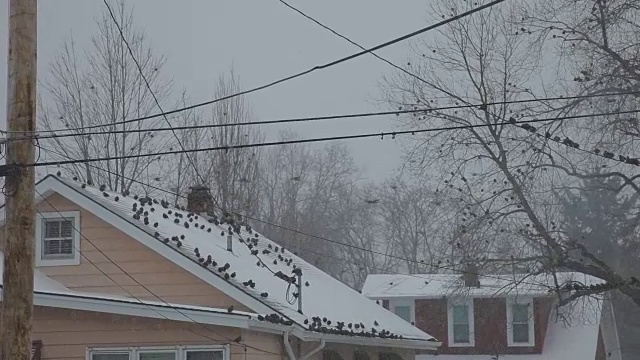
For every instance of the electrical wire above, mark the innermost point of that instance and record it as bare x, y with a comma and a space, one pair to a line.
155, 98
231, 342
421, 262
313, 69
392, 134
54, 133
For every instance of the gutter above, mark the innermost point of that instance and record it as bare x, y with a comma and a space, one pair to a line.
305, 335
141, 309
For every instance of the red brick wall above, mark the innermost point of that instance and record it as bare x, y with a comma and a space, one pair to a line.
490, 318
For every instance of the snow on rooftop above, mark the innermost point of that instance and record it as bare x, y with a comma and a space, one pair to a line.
381, 286
572, 334
41, 282
323, 296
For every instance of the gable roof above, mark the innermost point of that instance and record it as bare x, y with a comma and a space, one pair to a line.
383, 286
163, 229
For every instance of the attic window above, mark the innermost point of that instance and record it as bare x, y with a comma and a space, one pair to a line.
404, 308
57, 238
520, 324
461, 322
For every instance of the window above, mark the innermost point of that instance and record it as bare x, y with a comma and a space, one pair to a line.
167, 353
106, 355
520, 322
57, 238
460, 322
204, 355
404, 308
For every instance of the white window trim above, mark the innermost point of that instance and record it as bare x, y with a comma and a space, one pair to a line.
404, 302
181, 351
472, 333
532, 334
71, 215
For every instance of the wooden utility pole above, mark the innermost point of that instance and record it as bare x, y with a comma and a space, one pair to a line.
17, 297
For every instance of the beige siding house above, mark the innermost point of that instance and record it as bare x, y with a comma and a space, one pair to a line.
131, 278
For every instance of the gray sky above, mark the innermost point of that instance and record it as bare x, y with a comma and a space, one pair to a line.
264, 41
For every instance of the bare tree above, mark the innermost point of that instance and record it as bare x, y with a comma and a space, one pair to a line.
299, 188
414, 220
102, 87
500, 171
233, 174
366, 250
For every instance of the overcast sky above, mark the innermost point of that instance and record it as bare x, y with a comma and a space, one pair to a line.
263, 40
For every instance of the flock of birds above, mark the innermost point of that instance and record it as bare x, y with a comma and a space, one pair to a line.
145, 205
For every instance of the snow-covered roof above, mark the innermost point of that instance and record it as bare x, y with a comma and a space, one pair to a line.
383, 286
572, 334
256, 266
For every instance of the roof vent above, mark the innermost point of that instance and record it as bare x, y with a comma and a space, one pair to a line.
229, 243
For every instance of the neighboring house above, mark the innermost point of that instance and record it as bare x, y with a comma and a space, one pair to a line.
127, 278
498, 317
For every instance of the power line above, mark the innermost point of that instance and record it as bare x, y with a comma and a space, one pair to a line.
231, 342
313, 69
155, 98
422, 262
315, 118
353, 42
393, 134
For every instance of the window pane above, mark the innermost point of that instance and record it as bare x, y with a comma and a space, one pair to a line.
403, 312
52, 229
520, 333
121, 356
66, 246
157, 355
461, 334
66, 228
204, 355
460, 314
520, 313
51, 247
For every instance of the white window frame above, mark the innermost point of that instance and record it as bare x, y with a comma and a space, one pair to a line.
181, 351
472, 333
66, 215
404, 302
532, 335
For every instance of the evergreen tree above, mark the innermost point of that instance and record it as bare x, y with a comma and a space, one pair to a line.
605, 221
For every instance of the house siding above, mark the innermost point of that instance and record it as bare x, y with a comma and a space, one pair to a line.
490, 318
67, 334
114, 263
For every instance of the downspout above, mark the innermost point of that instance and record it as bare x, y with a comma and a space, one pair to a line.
314, 351
306, 356
287, 345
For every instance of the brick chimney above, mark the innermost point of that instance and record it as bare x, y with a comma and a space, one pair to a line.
471, 275
199, 200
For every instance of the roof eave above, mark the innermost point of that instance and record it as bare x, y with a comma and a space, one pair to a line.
306, 335
112, 306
